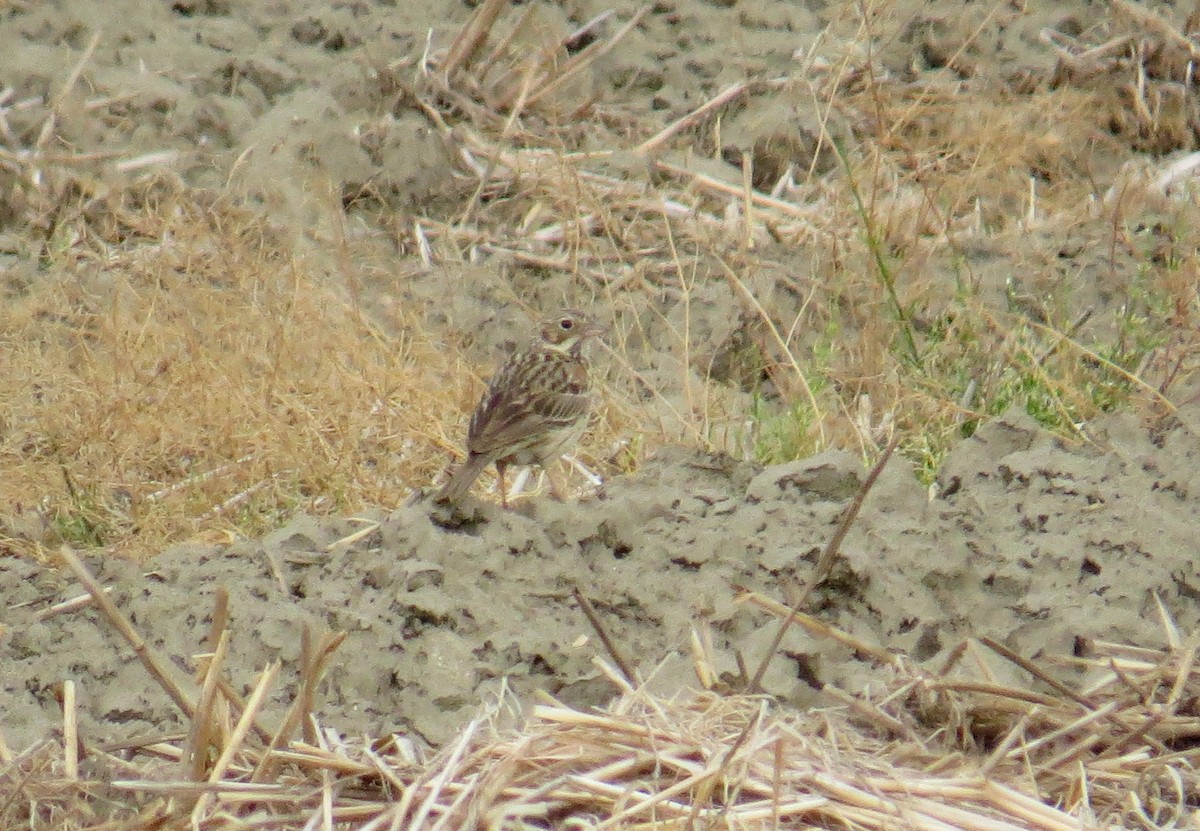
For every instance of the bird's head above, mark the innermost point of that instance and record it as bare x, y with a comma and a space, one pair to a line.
567, 329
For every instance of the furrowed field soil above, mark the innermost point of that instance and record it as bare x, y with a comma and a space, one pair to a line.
1041, 545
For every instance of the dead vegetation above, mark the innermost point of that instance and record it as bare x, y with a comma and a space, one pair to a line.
949, 749
172, 371
196, 381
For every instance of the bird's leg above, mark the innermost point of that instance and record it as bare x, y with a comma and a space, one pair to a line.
555, 490
500, 466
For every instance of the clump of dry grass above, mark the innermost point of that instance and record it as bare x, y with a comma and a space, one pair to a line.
1119, 748
175, 372
929, 751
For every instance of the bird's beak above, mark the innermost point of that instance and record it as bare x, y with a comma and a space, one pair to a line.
595, 330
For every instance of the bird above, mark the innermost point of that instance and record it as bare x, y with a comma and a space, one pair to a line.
536, 406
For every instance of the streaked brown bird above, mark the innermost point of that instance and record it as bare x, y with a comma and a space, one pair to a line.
536, 406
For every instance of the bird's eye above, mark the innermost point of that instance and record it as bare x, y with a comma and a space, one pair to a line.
566, 324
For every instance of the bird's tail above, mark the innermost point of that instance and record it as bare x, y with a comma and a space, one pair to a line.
462, 479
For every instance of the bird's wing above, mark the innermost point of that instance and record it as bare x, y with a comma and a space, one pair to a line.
533, 395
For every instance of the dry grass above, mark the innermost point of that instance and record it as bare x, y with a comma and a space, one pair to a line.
174, 372
953, 749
